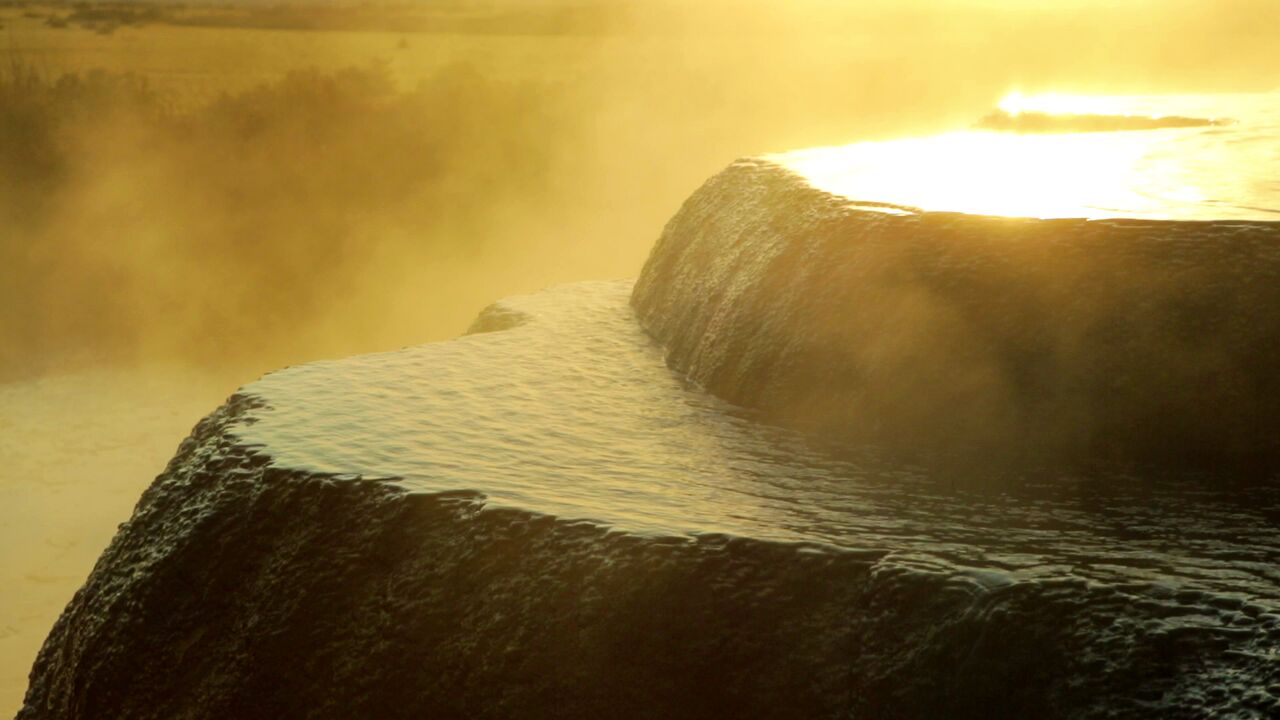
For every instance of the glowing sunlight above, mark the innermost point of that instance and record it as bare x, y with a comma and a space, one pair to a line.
1208, 171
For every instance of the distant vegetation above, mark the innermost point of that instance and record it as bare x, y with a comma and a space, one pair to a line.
310, 213
106, 17
451, 16
132, 227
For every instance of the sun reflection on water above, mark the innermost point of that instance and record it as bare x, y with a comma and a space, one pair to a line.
1212, 172
1064, 103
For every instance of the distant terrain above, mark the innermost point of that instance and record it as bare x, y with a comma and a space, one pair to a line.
438, 17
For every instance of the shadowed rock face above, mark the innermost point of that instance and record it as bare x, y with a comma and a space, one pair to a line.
251, 583
543, 520
239, 590
968, 338
243, 590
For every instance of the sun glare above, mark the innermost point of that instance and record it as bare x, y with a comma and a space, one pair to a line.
986, 173
1016, 103
1201, 164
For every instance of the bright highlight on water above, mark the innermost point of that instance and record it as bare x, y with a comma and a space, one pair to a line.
915, 428
1205, 173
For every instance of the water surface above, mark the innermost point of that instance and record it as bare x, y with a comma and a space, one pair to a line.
573, 413
1202, 173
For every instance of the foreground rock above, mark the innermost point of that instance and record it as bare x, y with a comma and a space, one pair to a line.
547, 519
564, 579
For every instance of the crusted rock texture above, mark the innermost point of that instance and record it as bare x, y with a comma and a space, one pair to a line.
974, 338
242, 590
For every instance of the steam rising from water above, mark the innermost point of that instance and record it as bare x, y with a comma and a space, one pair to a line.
333, 211
338, 211
788, 286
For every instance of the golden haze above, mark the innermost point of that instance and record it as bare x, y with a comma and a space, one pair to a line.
232, 189
243, 197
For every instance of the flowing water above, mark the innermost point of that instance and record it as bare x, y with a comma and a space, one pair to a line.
572, 413
1165, 584
561, 404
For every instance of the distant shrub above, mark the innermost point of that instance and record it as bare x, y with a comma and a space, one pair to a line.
111, 14
132, 227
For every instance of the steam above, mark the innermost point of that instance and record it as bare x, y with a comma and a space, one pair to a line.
366, 206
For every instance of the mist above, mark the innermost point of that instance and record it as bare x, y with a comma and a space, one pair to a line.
360, 205
192, 195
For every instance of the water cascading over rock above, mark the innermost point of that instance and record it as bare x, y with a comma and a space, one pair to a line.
970, 338
546, 519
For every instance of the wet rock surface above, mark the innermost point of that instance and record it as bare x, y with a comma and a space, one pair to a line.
880, 463
256, 580
964, 338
